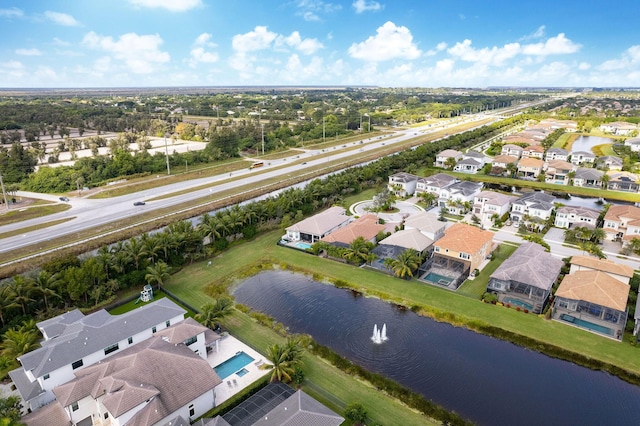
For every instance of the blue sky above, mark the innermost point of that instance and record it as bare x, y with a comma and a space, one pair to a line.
389, 43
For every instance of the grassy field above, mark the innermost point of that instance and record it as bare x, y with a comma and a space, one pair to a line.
17, 214
243, 260
477, 287
604, 149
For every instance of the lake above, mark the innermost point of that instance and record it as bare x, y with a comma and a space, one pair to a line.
585, 143
486, 380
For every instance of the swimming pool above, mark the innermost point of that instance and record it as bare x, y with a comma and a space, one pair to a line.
303, 245
232, 365
432, 277
517, 302
586, 324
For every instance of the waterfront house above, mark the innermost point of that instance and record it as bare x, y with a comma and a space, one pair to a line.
552, 124
366, 226
73, 341
434, 183
471, 162
534, 204
556, 154
403, 184
443, 156
465, 244
427, 223
623, 181
620, 128
503, 160
530, 168
318, 226
557, 172
622, 223
401, 241
609, 162
526, 278
571, 217
587, 177
633, 144
580, 157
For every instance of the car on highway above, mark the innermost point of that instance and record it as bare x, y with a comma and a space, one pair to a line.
304, 163
65, 199
139, 203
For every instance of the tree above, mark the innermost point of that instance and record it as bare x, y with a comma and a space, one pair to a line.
356, 413
10, 411
157, 274
45, 284
406, 263
428, 198
211, 313
450, 163
19, 340
283, 360
21, 290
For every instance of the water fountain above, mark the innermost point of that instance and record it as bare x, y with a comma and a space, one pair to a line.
379, 336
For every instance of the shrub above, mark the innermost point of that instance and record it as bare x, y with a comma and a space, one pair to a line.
355, 413
526, 311
489, 297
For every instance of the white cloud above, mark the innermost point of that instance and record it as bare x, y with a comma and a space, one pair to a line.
258, 39
58, 42
629, 59
538, 33
490, 56
13, 12
441, 46
363, 6
310, 10
583, 66
140, 53
63, 19
170, 5
28, 52
204, 39
308, 46
558, 45
390, 42
198, 55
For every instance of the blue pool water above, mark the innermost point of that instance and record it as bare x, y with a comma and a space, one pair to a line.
438, 279
517, 302
232, 365
303, 245
586, 324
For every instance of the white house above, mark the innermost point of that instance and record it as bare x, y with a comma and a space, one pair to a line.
512, 150
580, 157
588, 177
403, 184
535, 204
556, 154
434, 183
488, 203
443, 156
621, 128
471, 162
633, 144
454, 196
570, 216
318, 226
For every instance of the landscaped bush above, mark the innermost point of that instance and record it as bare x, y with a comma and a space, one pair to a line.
489, 297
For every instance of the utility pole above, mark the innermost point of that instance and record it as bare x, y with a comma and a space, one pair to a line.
4, 194
262, 139
322, 129
166, 153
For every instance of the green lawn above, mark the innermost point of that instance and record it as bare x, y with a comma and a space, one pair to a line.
240, 261
477, 287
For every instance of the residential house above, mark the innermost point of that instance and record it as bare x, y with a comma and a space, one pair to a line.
457, 196
594, 301
609, 162
463, 244
552, 124
533, 204
533, 151
622, 181
536, 134
618, 271
434, 183
147, 384
401, 241
471, 162
427, 223
274, 405
633, 144
622, 223
366, 226
519, 138
444, 156
500, 163
526, 278
73, 341
591, 178
620, 128
403, 184
558, 172
318, 226
488, 203
571, 217
582, 157
530, 168
556, 154
512, 150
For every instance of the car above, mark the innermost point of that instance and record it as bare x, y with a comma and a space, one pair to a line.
65, 199
139, 203
304, 163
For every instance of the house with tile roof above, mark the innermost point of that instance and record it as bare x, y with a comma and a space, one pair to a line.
318, 226
147, 384
464, 244
401, 241
588, 177
620, 128
572, 217
618, 271
443, 156
609, 162
503, 160
552, 124
533, 151
594, 301
623, 181
366, 226
526, 278
582, 157
489, 203
622, 223
403, 184
557, 172
556, 154
455, 196
534, 204
512, 150
73, 341
468, 165
530, 168
427, 223
434, 183
633, 144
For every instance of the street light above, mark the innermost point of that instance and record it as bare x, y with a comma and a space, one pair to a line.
166, 153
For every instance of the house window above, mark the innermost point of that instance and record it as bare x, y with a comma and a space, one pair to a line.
74, 406
111, 348
77, 364
190, 341
106, 415
437, 249
167, 323
192, 410
464, 256
45, 377
130, 340
153, 329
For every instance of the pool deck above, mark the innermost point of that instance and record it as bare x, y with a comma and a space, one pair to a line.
228, 346
616, 329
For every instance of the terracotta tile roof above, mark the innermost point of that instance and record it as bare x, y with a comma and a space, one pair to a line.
183, 330
506, 159
365, 226
595, 287
51, 414
534, 148
603, 265
464, 238
616, 213
560, 165
530, 162
322, 222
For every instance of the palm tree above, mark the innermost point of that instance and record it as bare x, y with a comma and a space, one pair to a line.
21, 290
428, 198
19, 341
406, 262
283, 360
211, 313
209, 227
135, 250
157, 274
5, 302
598, 235
150, 246
105, 258
357, 251
45, 284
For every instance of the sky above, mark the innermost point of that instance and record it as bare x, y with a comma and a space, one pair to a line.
386, 43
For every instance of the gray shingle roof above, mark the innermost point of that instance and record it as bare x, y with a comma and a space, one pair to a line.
409, 239
300, 410
92, 333
28, 389
321, 223
588, 174
530, 264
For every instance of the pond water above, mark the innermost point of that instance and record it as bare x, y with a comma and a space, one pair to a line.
585, 143
486, 380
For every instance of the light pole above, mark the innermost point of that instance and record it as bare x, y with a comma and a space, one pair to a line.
4, 194
166, 153
262, 125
